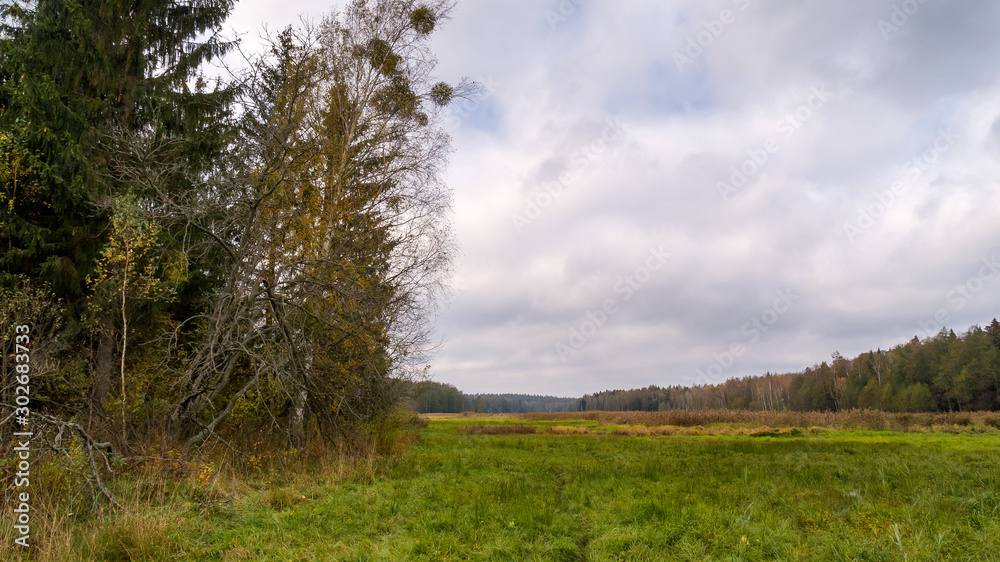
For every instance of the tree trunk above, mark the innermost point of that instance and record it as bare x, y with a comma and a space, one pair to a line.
124, 346
105, 364
297, 417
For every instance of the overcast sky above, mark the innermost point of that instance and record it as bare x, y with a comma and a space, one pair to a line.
685, 191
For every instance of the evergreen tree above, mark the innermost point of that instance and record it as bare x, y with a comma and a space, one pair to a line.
86, 88
71, 73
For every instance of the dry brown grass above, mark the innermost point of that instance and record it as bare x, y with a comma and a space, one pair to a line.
497, 429
634, 430
159, 493
760, 431
875, 420
466, 414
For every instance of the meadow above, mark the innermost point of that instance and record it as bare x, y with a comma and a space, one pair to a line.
608, 487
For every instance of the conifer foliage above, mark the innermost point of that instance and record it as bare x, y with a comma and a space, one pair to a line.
256, 255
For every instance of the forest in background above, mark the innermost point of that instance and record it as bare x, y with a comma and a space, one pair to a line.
945, 373
440, 398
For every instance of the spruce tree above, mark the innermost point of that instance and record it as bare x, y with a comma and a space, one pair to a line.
73, 72
82, 84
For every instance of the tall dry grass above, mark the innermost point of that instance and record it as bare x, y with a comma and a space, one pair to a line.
872, 420
158, 495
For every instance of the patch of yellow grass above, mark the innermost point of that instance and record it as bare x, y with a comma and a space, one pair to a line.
568, 429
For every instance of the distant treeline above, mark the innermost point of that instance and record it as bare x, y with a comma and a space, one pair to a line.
435, 397
941, 374
945, 373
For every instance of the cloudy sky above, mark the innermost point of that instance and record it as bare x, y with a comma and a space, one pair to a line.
685, 191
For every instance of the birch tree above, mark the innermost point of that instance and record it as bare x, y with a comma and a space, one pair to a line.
126, 275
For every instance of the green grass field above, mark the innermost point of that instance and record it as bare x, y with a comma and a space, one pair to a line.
559, 495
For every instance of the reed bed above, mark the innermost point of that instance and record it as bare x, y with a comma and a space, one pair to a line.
869, 420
